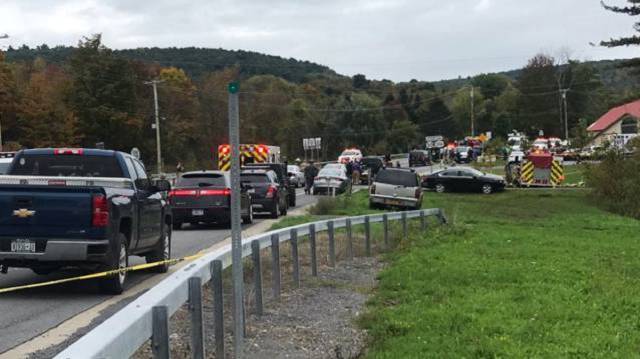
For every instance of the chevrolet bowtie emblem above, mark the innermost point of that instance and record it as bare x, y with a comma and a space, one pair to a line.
23, 213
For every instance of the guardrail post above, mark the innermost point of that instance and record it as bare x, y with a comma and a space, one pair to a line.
367, 236
294, 258
405, 230
349, 239
312, 245
218, 309
160, 332
195, 308
257, 275
385, 229
332, 244
275, 265
423, 221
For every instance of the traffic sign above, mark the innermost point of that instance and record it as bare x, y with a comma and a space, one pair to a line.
439, 144
434, 138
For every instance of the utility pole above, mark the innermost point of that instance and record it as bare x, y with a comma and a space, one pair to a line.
4, 36
155, 83
236, 230
566, 113
473, 112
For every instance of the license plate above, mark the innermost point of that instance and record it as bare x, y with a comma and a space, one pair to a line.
251, 191
197, 212
23, 246
393, 202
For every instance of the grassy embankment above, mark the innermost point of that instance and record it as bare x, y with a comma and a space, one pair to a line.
517, 274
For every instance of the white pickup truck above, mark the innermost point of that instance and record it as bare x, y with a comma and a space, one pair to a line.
395, 187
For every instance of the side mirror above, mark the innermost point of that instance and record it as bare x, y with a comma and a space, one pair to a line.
143, 184
162, 185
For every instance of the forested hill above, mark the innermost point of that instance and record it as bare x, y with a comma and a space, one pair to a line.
194, 61
612, 73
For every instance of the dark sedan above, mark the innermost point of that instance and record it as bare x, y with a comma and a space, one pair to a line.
463, 179
267, 195
205, 197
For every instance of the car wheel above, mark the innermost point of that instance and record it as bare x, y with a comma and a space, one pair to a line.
440, 188
249, 218
114, 283
177, 226
162, 252
487, 188
275, 210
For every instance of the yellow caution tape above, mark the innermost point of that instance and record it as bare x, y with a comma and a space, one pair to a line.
102, 274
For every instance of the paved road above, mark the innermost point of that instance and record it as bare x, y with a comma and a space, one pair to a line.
29, 313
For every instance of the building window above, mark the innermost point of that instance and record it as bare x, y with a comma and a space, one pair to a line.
629, 126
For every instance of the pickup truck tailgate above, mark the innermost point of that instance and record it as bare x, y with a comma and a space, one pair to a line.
47, 212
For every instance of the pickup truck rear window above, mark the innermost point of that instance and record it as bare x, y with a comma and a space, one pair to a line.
202, 180
66, 166
397, 178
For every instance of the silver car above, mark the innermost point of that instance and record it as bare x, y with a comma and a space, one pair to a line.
331, 181
296, 176
395, 187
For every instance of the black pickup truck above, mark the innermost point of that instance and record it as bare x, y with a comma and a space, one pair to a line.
82, 208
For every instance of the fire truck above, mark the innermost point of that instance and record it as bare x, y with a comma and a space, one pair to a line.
249, 153
540, 168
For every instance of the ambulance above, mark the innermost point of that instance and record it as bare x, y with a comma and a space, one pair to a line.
249, 153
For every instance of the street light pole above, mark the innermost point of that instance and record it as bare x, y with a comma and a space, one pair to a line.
473, 112
155, 83
4, 36
566, 113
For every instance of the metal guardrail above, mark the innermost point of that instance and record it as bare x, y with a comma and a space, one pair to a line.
147, 317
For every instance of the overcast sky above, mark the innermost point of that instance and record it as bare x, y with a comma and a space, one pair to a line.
391, 39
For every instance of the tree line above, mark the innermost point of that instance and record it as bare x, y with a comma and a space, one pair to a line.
93, 94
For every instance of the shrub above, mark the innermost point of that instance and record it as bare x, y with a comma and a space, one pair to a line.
616, 183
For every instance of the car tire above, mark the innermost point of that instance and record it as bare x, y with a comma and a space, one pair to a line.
44, 270
487, 188
249, 218
176, 226
114, 284
162, 252
373, 205
275, 210
440, 188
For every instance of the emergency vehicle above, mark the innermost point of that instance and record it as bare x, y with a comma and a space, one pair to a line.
541, 168
249, 153
5, 160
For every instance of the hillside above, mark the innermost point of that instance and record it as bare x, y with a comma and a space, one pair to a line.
195, 61
613, 74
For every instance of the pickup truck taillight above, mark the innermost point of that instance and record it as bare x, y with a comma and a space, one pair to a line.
271, 191
418, 191
373, 189
100, 211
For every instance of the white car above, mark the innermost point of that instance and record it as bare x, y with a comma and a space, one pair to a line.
296, 176
340, 166
5, 160
395, 187
516, 156
350, 155
331, 180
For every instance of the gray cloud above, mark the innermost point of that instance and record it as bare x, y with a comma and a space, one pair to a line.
393, 39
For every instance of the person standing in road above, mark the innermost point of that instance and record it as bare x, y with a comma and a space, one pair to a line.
310, 173
357, 168
349, 166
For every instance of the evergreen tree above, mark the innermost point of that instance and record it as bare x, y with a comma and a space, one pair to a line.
633, 9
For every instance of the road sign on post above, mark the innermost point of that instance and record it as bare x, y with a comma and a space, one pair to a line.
236, 230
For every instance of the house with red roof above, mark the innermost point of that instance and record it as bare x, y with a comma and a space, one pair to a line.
617, 126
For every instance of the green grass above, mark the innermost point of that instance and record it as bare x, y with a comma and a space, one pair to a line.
518, 274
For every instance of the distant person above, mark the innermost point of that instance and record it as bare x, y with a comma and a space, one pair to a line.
310, 173
470, 154
349, 166
387, 160
356, 170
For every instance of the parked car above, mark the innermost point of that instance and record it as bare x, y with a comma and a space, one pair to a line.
462, 154
371, 165
5, 160
84, 208
205, 197
350, 155
419, 158
395, 187
296, 176
464, 179
330, 180
267, 194
281, 171
516, 156
340, 166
